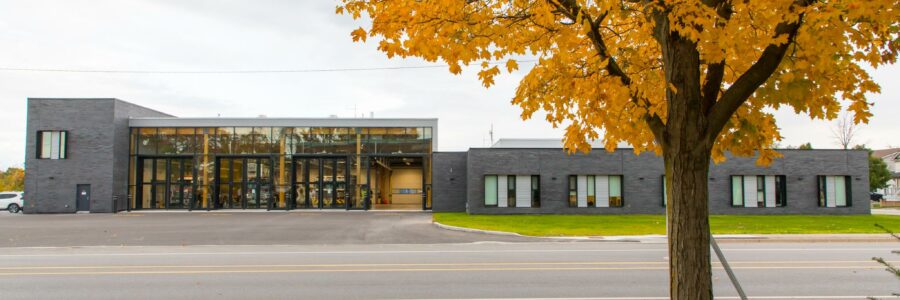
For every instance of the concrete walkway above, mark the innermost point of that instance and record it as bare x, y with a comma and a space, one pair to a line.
721, 238
886, 211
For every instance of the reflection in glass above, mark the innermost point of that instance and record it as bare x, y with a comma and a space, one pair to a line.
167, 141
340, 183
213, 150
265, 182
185, 142
174, 195
327, 183
314, 180
243, 140
147, 141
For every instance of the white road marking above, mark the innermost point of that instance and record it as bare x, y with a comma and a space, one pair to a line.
662, 298
425, 251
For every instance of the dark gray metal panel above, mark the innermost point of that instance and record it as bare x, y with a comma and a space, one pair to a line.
642, 179
448, 177
96, 155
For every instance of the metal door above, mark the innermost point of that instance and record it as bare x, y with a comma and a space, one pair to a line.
83, 198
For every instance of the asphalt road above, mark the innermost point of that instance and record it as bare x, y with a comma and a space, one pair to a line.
229, 228
356, 255
593, 270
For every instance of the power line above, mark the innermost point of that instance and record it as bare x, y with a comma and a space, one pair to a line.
261, 71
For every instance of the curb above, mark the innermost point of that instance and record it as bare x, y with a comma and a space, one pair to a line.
724, 238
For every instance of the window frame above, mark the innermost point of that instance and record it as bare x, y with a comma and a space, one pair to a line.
511, 191
535, 191
665, 198
62, 145
822, 191
780, 191
573, 188
496, 190
510, 194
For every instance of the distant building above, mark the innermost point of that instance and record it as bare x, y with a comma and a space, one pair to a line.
891, 158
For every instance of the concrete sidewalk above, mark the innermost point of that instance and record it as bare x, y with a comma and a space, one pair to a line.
721, 238
886, 211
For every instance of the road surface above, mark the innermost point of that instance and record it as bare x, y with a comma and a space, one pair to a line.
590, 270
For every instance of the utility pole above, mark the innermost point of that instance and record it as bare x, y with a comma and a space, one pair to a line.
491, 133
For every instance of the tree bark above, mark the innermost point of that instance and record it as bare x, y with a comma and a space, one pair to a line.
686, 146
688, 224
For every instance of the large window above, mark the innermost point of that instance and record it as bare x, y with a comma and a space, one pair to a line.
490, 190
834, 191
512, 191
758, 191
51, 145
282, 145
595, 191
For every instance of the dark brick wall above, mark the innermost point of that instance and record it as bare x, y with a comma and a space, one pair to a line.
448, 173
642, 179
97, 152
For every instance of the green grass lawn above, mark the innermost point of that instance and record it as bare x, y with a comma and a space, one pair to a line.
592, 225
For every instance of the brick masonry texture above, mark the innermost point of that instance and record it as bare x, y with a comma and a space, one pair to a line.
97, 153
449, 170
643, 175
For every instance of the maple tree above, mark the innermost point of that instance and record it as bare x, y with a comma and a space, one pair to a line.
687, 79
13, 179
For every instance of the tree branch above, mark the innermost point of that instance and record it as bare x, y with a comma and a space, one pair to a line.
756, 75
715, 71
571, 10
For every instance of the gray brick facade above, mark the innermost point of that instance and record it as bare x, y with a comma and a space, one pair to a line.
97, 154
643, 175
448, 173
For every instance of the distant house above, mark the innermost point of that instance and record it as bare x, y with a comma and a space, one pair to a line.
891, 158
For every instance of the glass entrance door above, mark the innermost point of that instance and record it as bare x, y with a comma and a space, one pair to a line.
320, 182
244, 182
181, 188
166, 183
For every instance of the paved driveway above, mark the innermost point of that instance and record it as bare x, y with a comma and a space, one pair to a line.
230, 228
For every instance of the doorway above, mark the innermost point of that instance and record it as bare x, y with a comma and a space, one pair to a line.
396, 183
244, 182
83, 197
320, 182
165, 183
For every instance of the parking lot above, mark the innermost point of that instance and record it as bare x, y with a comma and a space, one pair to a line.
228, 228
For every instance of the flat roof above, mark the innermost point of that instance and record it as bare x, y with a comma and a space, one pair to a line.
536, 143
283, 122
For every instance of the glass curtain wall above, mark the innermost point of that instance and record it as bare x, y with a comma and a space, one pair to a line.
295, 167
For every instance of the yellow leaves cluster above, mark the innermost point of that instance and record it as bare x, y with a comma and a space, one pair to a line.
571, 83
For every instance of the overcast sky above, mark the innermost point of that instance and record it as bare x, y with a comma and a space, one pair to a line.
278, 34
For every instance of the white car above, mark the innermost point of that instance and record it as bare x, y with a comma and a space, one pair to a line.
12, 201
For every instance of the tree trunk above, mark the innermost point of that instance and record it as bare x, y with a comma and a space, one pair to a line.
686, 148
687, 221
